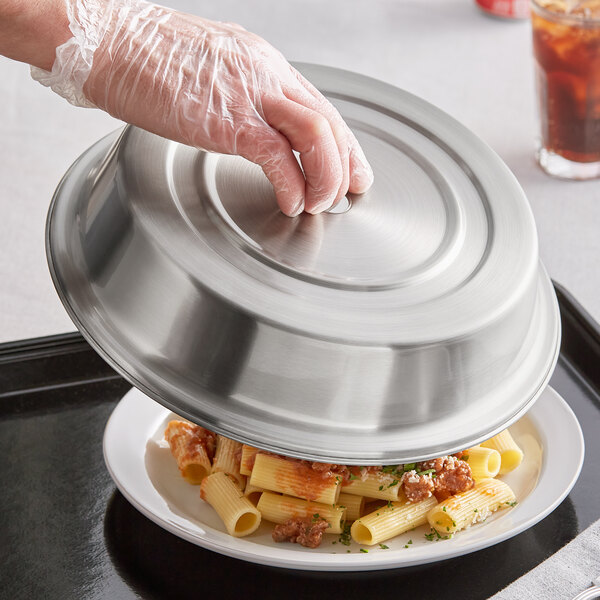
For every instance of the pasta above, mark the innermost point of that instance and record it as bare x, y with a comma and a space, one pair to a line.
305, 500
375, 485
252, 492
281, 475
484, 462
391, 520
467, 508
510, 453
354, 505
190, 449
247, 459
238, 514
227, 459
279, 509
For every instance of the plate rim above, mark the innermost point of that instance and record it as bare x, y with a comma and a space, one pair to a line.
556, 411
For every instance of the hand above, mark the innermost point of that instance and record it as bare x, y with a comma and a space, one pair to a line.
218, 87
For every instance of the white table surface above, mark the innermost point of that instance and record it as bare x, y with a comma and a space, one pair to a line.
478, 69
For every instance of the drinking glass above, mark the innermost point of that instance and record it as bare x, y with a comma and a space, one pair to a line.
566, 43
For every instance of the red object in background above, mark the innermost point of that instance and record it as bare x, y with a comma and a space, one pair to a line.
512, 9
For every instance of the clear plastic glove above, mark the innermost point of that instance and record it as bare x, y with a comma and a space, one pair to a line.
213, 86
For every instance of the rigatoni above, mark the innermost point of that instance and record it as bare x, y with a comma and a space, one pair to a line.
510, 453
293, 478
466, 508
227, 459
375, 485
391, 520
252, 492
354, 505
188, 445
278, 509
247, 460
238, 514
484, 462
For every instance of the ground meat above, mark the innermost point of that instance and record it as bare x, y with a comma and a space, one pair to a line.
321, 467
453, 480
451, 476
329, 469
301, 531
435, 463
417, 487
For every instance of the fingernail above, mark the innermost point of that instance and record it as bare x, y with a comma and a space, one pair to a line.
322, 206
361, 178
297, 209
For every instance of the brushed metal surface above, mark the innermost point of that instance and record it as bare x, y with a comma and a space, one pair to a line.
414, 320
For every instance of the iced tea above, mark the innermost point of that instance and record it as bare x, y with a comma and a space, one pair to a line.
566, 40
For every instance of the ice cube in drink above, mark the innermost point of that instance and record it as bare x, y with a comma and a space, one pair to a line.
566, 40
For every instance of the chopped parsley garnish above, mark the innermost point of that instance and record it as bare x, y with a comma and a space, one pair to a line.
395, 482
434, 533
384, 547
428, 472
444, 508
353, 476
393, 469
465, 458
316, 517
475, 510
381, 487
345, 536
409, 542
409, 466
511, 503
406, 546
364, 550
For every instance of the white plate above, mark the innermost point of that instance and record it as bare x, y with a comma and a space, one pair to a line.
147, 475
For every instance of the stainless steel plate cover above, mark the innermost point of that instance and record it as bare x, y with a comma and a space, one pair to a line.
413, 321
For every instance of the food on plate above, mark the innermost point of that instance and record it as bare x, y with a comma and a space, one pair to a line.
391, 520
277, 508
510, 453
238, 514
193, 448
293, 478
484, 462
370, 505
473, 506
227, 459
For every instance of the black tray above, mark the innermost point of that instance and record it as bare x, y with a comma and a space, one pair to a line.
66, 532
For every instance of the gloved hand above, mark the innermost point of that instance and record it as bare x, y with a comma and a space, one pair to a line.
213, 86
